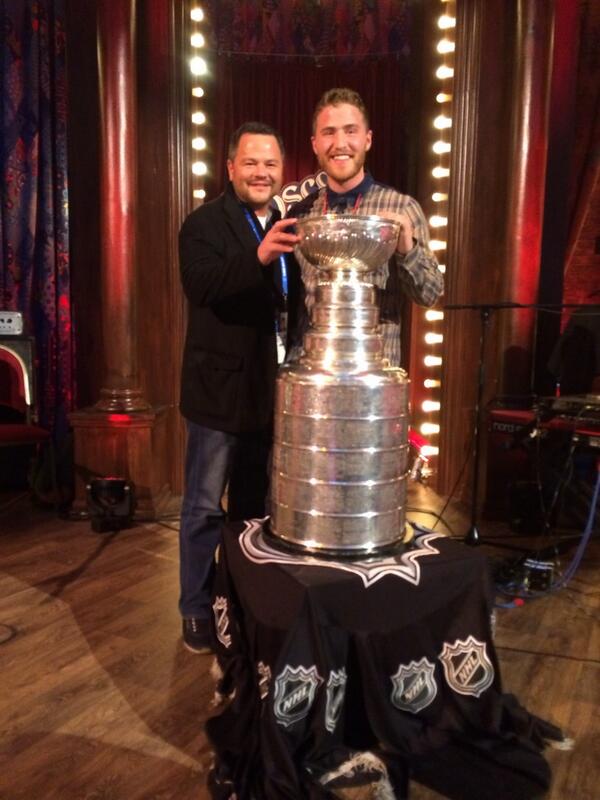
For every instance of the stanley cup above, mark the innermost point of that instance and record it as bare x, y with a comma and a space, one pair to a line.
341, 412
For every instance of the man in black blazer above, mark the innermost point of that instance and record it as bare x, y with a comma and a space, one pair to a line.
233, 274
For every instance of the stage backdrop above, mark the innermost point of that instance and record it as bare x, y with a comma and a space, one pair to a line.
34, 256
272, 60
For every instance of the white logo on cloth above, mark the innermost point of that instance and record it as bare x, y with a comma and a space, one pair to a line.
336, 689
467, 667
221, 612
264, 679
414, 687
295, 689
404, 565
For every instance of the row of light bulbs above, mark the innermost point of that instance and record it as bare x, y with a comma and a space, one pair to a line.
438, 222
442, 122
198, 68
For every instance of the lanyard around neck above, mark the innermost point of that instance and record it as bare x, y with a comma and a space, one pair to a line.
259, 237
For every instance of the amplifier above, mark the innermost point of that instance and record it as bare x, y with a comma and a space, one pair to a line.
11, 323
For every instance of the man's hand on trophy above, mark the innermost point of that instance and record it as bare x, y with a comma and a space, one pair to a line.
277, 241
405, 238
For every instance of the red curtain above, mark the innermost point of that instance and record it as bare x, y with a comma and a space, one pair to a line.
283, 94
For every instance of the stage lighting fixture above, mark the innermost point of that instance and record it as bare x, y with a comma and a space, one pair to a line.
111, 503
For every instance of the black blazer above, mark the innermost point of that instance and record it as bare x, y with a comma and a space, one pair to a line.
229, 360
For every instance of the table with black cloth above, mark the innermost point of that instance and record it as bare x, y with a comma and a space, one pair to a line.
341, 674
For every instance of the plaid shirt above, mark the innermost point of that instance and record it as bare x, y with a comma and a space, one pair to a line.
415, 274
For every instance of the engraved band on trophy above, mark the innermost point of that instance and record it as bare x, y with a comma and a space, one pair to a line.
340, 447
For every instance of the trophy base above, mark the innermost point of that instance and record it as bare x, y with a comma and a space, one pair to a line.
394, 548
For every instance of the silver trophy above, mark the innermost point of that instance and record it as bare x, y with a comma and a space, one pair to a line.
340, 448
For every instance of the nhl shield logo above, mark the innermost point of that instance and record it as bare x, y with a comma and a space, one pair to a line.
295, 689
336, 689
467, 667
414, 687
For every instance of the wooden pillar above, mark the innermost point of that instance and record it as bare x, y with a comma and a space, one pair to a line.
502, 74
121, 434
118, 204
532, 54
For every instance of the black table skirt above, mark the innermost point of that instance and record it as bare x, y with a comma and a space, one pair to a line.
324, 661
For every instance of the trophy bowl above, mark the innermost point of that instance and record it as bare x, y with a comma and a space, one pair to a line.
347, 241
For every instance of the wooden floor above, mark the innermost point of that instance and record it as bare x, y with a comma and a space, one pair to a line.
100, 701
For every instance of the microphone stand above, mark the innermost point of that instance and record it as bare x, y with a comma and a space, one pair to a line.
473, 536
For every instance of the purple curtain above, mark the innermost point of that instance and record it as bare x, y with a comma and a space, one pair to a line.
34, 227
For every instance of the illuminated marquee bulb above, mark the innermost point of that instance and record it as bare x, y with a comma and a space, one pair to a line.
429, 450
430, 383
432, 361
443, 97
197, 14
199, 168
441, 122
197, 40
446, 21
438, 222
439, 197
440, 172
445, 46
434, 338
437, 244
198, 66
430, 405
198, 91
198, 118
431, 315
200, 194
429, 428
441, 147
199, 143
444, 72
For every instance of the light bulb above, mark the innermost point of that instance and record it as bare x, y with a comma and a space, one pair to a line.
444, 72
437, 221
441, 122
198, 66
446, 21
445, 46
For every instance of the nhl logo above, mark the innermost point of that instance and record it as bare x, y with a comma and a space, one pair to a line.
336, 689
414, 686
467, 667
295, 689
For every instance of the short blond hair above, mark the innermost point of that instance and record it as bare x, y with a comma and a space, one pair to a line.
335, 97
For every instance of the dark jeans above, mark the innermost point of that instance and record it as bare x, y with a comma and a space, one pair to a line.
213, 459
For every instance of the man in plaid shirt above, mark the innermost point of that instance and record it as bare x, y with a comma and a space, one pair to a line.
341, 139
